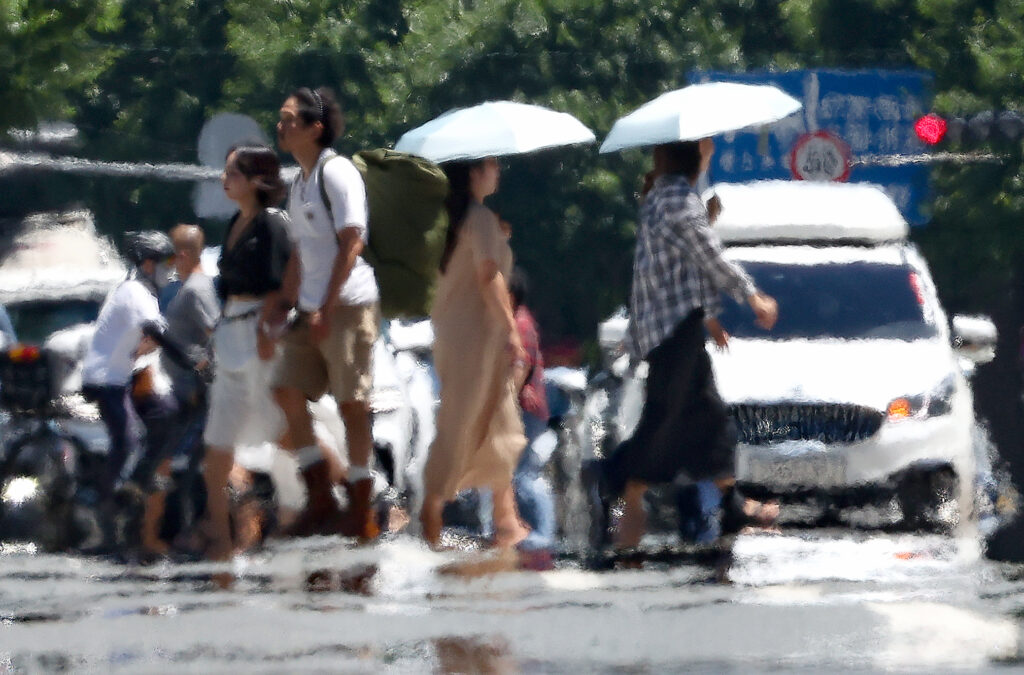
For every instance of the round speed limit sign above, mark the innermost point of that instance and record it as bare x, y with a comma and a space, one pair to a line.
820, 156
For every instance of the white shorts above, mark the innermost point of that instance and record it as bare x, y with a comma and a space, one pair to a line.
242, 411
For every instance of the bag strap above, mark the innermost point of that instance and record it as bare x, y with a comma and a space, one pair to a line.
323, 188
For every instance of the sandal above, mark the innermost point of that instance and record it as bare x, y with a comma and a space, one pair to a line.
736, 515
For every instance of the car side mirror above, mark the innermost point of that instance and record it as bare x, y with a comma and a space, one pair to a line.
974, 339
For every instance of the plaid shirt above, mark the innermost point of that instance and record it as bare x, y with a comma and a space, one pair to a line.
678, 266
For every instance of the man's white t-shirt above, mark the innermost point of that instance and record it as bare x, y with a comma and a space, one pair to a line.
315, 232
118, 331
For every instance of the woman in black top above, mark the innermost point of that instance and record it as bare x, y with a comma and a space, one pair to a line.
253, 266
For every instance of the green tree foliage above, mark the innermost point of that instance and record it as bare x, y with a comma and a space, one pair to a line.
170, 62
49, 50
147, 73
165, 79
344, 44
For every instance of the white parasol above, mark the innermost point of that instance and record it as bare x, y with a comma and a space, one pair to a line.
699, 111
493, 129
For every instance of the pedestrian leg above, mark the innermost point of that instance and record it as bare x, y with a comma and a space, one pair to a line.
431, 519
113, 405
216, 468
153, 513
321, 514
634, 516
362, 518
534, 498
509, 529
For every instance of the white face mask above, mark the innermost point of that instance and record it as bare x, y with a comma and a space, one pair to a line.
163, 274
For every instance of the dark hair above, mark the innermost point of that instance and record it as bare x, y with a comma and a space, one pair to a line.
144, 245
518, 286
456, 203
260, 162
320, 105
679, 157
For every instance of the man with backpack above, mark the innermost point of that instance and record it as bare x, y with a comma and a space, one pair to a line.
330, 346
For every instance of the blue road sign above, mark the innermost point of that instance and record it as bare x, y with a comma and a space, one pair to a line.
871, 111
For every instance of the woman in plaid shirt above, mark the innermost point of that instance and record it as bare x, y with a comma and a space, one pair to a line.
678, 273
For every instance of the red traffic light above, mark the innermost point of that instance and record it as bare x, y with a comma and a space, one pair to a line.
23, 354
930, 129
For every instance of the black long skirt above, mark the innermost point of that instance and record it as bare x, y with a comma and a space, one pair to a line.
684, 426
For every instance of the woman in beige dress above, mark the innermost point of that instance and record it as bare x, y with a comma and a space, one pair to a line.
476, 352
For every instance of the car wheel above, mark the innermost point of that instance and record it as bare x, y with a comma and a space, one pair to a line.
928, 500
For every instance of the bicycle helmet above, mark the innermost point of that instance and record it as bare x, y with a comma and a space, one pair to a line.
147, 245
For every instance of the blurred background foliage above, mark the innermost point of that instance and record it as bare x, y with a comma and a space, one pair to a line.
139, 77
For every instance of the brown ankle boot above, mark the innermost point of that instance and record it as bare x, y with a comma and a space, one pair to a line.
321, 514
361, 518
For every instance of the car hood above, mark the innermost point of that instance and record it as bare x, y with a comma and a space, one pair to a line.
863, 372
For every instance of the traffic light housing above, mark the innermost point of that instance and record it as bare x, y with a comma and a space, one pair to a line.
984, 127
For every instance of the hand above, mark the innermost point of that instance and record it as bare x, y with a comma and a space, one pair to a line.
518, 357
276, 313
520, 373
718, 334
147, 345
648, 182
722, 341
714, 208
266, 346
765, 309
319, 325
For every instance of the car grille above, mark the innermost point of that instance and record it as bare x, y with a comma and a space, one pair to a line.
828, 423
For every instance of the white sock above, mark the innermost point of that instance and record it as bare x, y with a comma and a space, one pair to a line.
308, 456
358, 473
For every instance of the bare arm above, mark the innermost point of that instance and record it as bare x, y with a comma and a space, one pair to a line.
495, 291
290, 284
350, 245
276, 305
717, 332
272, 317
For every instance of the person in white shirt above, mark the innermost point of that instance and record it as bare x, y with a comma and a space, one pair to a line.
107, 367
330, 346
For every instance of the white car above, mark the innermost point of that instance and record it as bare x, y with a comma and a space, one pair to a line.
861, 385
56, 274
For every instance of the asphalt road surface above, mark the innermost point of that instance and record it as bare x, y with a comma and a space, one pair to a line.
800, 601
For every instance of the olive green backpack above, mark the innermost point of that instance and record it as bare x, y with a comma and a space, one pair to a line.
408, 223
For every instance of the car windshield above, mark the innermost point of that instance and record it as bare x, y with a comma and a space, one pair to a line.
855, 300
37, 320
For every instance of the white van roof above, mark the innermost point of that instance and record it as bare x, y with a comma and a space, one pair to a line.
59, 256
781, 210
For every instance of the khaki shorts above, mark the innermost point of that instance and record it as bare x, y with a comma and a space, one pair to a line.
342, 363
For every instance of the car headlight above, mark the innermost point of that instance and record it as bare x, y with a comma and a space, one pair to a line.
937, 402
19, 490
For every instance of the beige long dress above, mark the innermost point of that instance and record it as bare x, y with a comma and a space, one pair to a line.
479, 428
